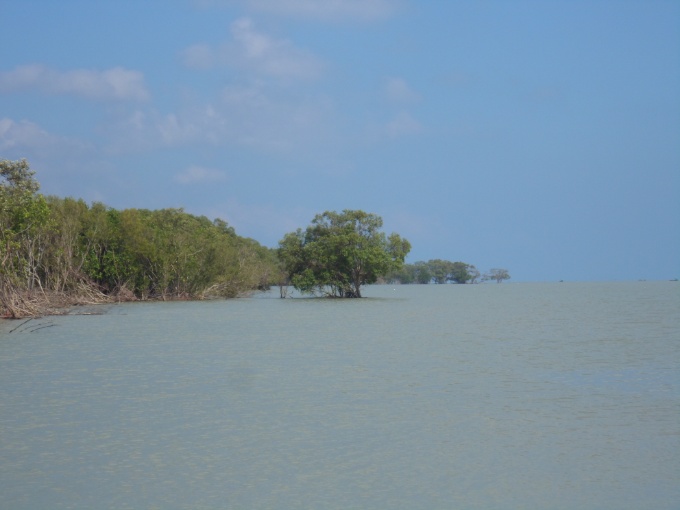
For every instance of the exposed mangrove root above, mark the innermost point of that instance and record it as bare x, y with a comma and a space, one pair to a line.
18, 303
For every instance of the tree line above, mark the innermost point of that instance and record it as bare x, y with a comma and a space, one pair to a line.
444, 271
56, 252
59, 251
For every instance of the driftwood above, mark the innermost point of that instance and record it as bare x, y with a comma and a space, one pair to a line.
17, 304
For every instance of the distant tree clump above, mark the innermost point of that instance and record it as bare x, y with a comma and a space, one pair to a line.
437, 271
497, 274
340, 252
440, 271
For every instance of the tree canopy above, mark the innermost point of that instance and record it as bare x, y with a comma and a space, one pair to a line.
24, 216
63, 250
340, 252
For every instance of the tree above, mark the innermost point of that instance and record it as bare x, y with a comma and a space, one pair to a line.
497, 274
418, 273
24, 217
340, 252
474, 273
437, 270
440, 270
423, 273
24, 229
59, 251
460, 272
444, 271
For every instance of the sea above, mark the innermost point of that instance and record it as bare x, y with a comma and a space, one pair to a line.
489, 396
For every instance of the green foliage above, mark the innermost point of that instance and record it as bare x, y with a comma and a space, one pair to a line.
169, 253
459, 272
18, 177
418, 272
24, 221
340, 252
63, 245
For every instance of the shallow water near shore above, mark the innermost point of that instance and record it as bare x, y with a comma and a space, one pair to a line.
545, 396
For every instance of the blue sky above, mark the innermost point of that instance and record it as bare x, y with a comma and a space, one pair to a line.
538, 136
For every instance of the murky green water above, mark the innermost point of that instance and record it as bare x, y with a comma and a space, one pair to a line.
538, 396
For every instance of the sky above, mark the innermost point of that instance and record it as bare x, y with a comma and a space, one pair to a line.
538, 136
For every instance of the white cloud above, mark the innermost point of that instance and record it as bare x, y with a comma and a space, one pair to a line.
403, 124
149, 129
27, 136
65, 166
111, 84
195, 174
399, 91
256, 52
174, 131
254, 116
272, 122
17, 134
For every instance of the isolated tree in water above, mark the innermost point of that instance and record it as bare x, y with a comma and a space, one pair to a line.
497, 274
340, 252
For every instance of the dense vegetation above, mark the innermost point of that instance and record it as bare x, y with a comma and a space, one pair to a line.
59, 251
56, 252
340, 252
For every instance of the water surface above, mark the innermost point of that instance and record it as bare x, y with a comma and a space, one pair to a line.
544, 396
